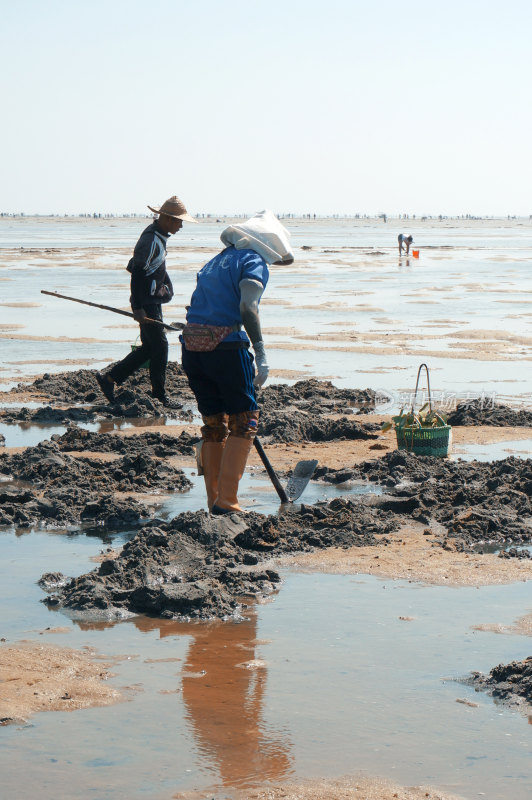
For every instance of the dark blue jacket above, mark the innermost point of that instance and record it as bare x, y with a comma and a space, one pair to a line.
150, 282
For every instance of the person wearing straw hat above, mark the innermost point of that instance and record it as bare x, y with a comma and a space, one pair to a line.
151, 287
216, 359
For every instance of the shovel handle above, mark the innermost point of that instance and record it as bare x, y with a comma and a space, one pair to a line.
283, 497
176, 327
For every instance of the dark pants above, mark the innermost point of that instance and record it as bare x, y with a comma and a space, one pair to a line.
154, 347
222, 380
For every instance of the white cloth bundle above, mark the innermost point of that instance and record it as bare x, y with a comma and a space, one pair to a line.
262, 233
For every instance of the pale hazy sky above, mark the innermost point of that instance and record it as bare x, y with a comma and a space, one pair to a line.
339, 106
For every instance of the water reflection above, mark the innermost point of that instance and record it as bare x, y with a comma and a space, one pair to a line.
110, 425
224, 706
223, 685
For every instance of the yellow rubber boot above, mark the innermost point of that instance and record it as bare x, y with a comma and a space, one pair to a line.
234, 459
211, 458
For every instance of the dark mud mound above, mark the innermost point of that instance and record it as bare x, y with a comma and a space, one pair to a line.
477, 502
80, 386
515, 552
294, 426
128, 405
48, 415
509, 683
151, 443
133, 397
483, 412
319, 397
60, 489
197, 566
23, 507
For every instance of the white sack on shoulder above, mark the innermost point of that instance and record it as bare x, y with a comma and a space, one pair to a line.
262, 233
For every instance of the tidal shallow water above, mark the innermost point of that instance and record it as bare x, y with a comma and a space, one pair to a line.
29, 434
215, 706
471, 284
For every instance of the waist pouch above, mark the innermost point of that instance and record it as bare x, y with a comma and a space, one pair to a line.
204, 338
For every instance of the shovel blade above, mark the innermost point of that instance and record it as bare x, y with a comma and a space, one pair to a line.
303, 472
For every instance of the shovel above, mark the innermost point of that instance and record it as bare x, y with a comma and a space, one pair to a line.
177, 326
303, 472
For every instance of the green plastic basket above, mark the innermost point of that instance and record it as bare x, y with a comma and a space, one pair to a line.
424, 441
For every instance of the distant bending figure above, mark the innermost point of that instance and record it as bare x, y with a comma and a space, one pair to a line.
404, 241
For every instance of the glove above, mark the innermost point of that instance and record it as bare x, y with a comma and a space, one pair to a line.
139, 315
261, 364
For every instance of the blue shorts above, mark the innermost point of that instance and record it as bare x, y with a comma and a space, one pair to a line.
222, 380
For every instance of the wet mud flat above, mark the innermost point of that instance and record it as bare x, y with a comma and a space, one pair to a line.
304, 406
476, 503
45, 485
482, 412
133, 398
197, 567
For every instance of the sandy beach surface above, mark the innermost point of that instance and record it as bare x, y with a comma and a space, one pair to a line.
40, 677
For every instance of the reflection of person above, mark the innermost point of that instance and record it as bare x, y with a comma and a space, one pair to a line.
216, 358
223, 690
150, 288
404, 241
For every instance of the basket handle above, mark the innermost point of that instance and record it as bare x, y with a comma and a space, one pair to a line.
428, 387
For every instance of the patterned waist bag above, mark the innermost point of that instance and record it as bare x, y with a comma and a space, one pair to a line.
204, 338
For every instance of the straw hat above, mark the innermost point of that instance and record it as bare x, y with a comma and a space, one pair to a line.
173, 207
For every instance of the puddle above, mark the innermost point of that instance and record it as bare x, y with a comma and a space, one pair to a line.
29, 434
224, 705
496, 451
256, 493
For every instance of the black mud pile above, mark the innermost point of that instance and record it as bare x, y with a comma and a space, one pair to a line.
318, 397
133, 397
48, 415
483, 412
508, 683
288, 413
299, 413
23, 507
197, 566
294, 426
151, 443
54, 488
478, 503
79, 386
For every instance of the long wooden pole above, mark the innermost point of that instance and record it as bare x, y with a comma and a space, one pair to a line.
176, 327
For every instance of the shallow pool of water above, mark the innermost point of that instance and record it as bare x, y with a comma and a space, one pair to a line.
493, 451
29, 434
223, 705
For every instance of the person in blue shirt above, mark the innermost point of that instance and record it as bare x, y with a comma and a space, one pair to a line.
222, 322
